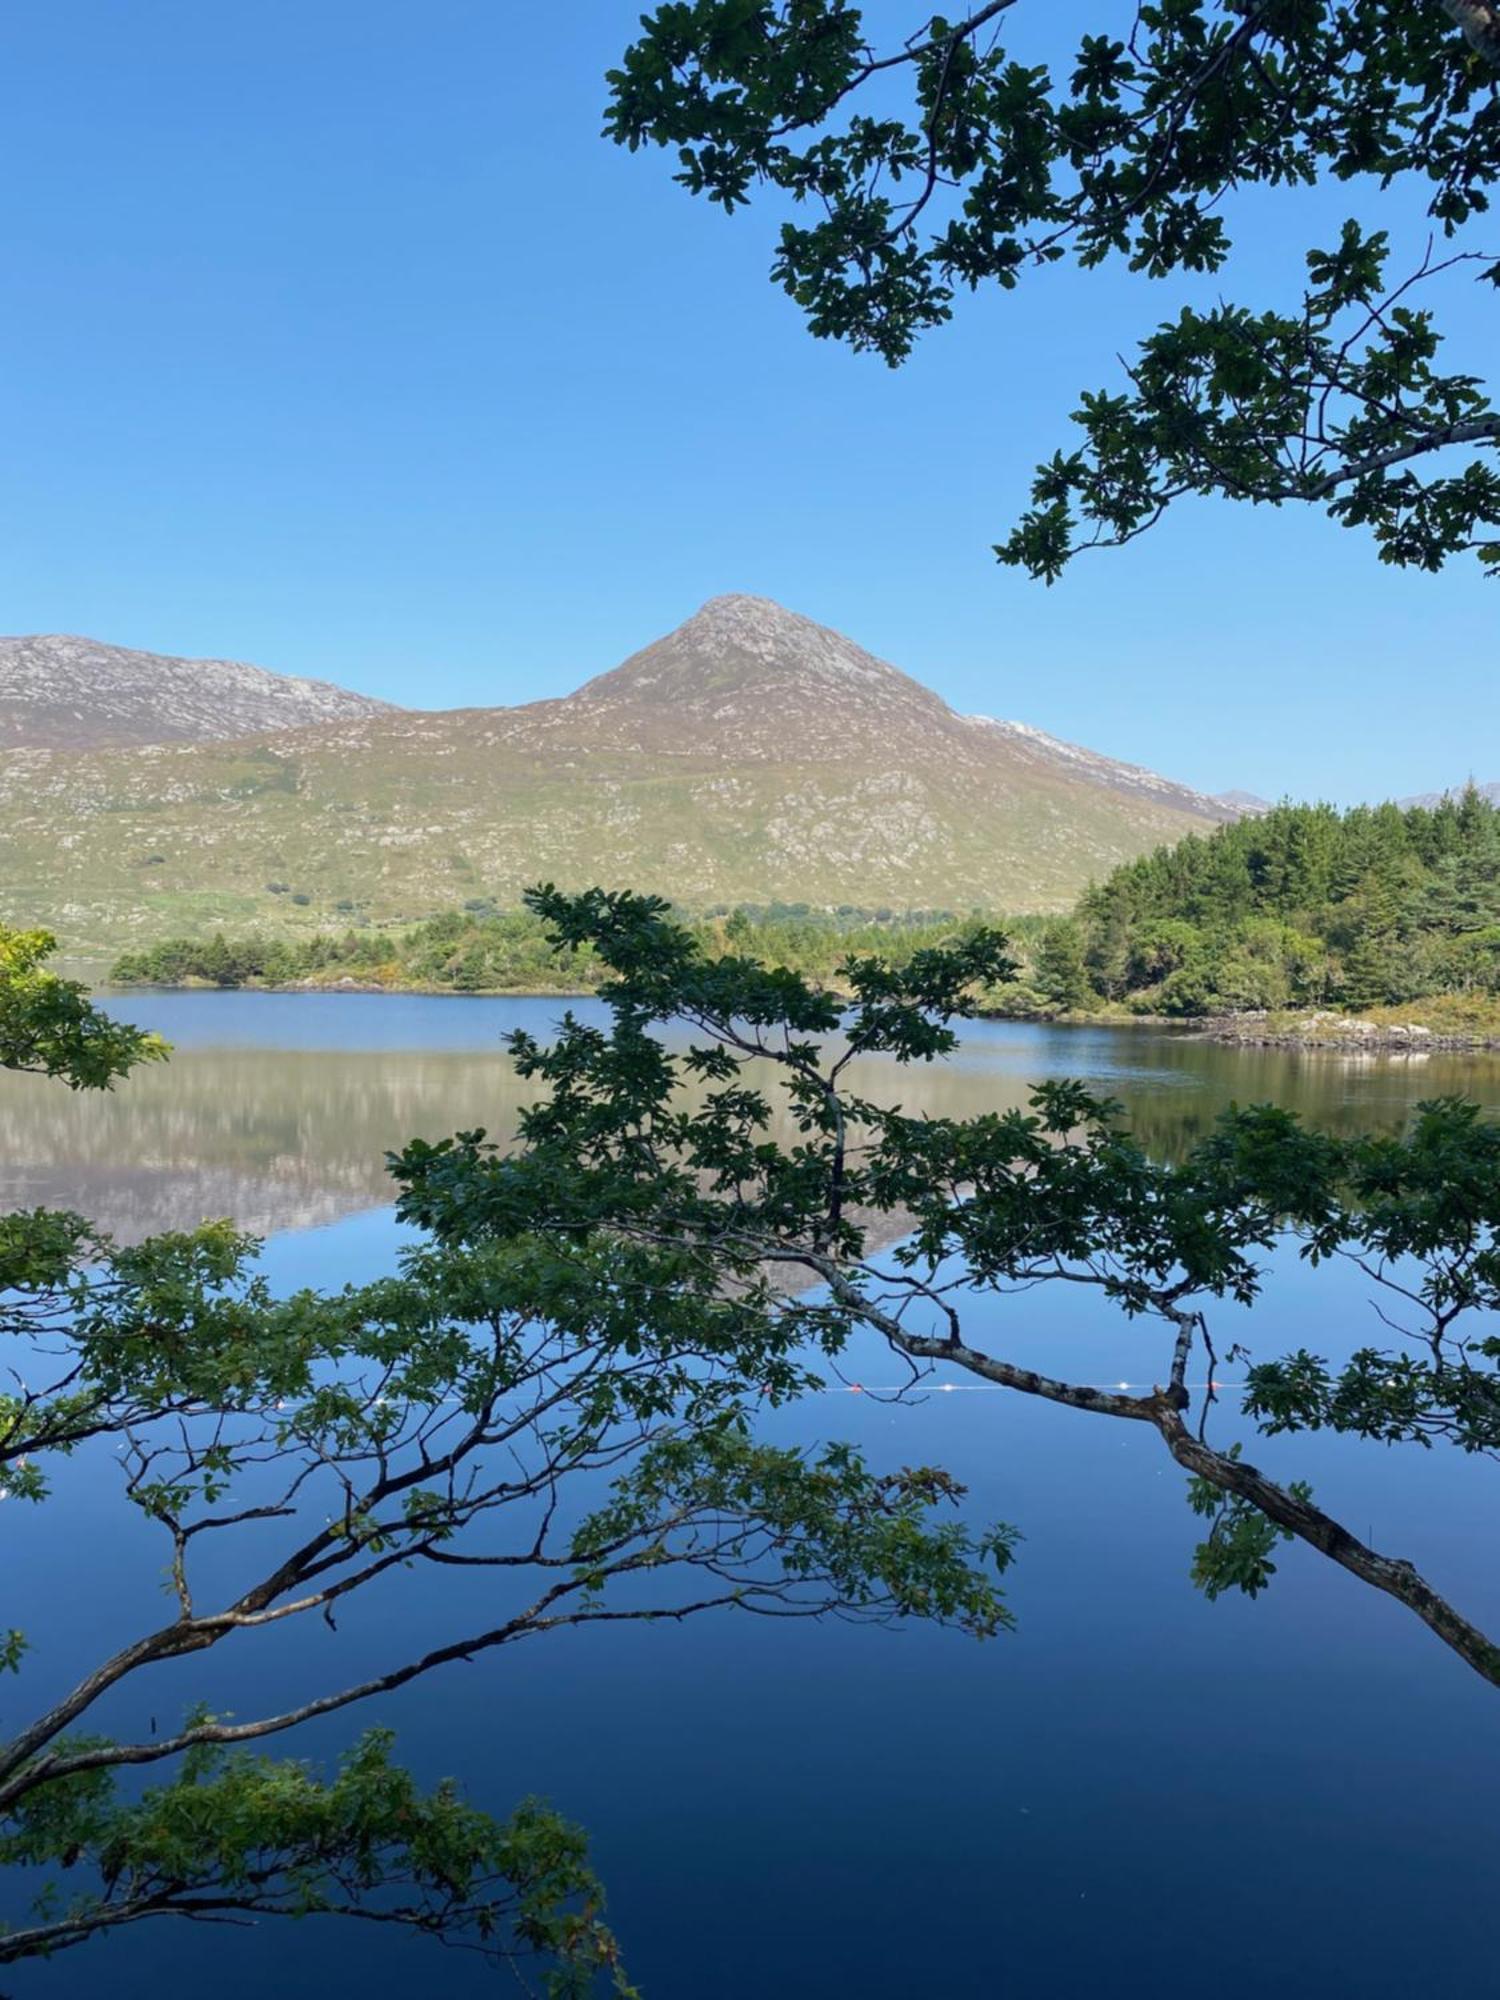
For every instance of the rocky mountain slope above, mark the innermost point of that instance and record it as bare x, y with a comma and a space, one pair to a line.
63, 693
748, 756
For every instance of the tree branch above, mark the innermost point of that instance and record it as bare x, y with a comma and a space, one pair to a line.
1391, 1574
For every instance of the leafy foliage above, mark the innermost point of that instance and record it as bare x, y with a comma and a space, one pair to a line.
1331, 403
1427, 1207
234, 1832
1236, 1554
49, 1027
938, 163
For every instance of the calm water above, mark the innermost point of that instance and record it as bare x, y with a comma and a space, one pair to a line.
1298, 1793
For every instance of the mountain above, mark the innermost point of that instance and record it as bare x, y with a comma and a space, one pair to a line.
1431, 799
63, 693
750, 755
1245, 805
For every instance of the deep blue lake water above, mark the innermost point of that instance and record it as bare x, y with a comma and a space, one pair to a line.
1134, 1788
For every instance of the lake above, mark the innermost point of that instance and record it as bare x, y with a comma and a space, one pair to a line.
1132, 1788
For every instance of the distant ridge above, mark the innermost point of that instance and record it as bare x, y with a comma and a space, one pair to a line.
1431, 799
63, 693
750, 755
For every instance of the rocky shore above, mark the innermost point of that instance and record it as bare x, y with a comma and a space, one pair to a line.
1343, 1031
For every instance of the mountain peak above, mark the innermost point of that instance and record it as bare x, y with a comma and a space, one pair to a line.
754, 621
737, 649
730, 603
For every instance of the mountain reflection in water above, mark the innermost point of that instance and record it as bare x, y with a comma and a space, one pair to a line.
278, 1109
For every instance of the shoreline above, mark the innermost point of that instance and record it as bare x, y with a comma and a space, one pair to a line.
1313, 1031
347, 987
1348, 1033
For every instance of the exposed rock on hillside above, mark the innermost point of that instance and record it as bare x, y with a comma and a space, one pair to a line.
63, 693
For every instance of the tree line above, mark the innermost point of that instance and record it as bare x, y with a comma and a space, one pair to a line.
482, 948
1306, 906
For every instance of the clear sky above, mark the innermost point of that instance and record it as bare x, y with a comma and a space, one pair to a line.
336, 339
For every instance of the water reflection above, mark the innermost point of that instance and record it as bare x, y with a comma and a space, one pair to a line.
820, 1810
278, 1110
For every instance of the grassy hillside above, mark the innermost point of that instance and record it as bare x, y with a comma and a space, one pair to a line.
118, 847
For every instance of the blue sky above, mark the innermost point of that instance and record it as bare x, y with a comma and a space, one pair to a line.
335, 338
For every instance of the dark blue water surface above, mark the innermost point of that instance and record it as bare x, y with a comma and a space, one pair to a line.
1134, 1789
